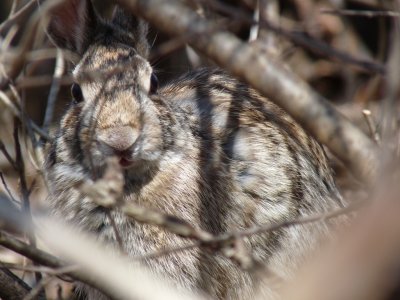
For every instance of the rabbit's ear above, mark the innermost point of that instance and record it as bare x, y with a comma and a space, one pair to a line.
72, 25
135, 27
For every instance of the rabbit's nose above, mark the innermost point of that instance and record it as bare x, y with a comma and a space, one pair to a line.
117, 140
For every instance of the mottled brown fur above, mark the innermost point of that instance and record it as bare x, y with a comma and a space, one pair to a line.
208, 149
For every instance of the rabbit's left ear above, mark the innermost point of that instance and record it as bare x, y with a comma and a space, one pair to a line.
134, 27
73, 25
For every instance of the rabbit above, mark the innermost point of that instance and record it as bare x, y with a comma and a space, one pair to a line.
205, 147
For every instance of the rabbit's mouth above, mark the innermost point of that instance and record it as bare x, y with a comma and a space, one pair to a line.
126, 163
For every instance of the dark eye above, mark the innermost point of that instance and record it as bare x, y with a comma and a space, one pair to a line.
76, 92
153, 83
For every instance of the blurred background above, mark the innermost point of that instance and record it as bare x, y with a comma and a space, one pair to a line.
362, 37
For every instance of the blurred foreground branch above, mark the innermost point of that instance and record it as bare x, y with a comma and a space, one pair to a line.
12, 287
362, 264
93, 258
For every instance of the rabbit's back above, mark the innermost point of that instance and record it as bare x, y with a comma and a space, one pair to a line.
243, 163
232, 160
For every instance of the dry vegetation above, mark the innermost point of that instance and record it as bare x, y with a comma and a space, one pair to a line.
317, 59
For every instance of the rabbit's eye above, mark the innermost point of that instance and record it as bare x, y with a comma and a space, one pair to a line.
76, 92
153, 83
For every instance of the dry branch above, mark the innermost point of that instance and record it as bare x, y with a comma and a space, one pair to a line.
361, 13
303, 40
119, 281
107, 192
19, 17
16, 62
12, 288
79, 249
271, 78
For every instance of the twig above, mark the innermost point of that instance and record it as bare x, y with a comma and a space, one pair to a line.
254, 29
16, 112
168, 251
17, 63
41, 80
45, 281
116, 231
93, 258
36, 291
12, 287
41, 257
6, 42
106, 192
55, 87
268, 15
300, 221
168, 222
20, 168
7, 155
29, 251
19, 16
3, 180
371, 126
42, 269
14, 7
227, 238
389, 115
302, 40
9, 104
361, 13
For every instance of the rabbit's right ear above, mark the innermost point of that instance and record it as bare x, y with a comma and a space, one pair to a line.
73, 24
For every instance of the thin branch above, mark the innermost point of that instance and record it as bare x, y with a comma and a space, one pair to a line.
14, 7
43, 258
171, 223
300, 221
7, 155
37, 290
116, 232
42, 269
20, 168
17, 112
29, 251
219, 241
54, 89
371, 126
303, 40
255, 28
3, 180
16, 64
361, 13
12, 287
19, 16
269, 14
389, 116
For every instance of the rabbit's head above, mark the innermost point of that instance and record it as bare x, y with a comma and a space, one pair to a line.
112, 113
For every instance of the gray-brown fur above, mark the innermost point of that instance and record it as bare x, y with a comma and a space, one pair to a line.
206, 148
